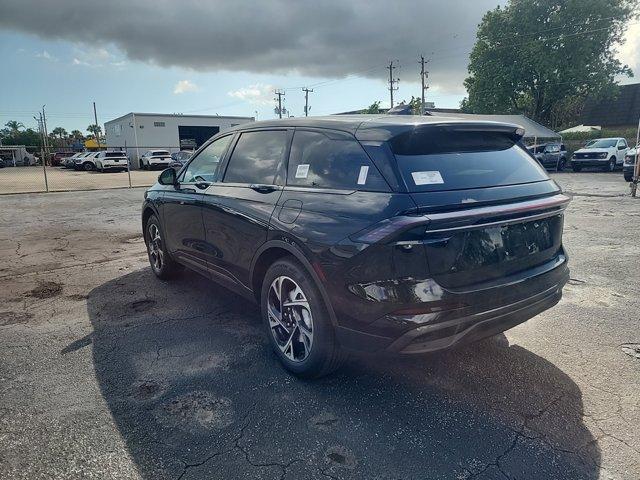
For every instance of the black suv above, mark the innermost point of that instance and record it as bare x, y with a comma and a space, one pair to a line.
379, 233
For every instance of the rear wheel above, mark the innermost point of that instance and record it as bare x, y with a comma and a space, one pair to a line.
161, 262
297, 321
88, 166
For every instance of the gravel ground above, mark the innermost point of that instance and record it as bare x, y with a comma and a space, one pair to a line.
107, 372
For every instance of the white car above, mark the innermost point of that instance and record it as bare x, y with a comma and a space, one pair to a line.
112, 161
155, 159
86, 162
630, 163
70, 162
605, 153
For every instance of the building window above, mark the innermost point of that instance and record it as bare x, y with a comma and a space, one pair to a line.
158, 124
117, 129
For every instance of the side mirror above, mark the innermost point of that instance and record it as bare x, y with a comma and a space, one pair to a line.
167, 177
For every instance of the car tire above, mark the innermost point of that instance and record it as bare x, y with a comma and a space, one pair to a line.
301, 334
162, 265
88, 166
576, 168
611, 166
561, 165
628, 177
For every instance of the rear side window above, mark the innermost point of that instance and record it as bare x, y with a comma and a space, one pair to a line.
331, 160
256, 157
437, 159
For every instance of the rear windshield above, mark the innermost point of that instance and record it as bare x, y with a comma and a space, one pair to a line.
114, 154
160, 152
440, 159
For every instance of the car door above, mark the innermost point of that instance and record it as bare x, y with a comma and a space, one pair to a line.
238, 209
621, 150
182, 206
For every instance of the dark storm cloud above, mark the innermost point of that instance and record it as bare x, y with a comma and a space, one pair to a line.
330, 38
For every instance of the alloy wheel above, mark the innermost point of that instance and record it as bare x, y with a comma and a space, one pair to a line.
154, 245
290, 319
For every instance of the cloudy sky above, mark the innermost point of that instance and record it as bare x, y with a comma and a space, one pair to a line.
228, 56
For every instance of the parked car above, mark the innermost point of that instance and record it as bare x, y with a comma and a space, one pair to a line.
370, 232
58, 157
179, 159
630, 163
86, 162
115, 160
550, 155
154, 159
605, 153
2, 164
70, 162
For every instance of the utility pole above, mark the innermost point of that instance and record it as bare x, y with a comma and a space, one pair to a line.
95, 117
306, 100
424, 74
280, 94
43, 125
392, 81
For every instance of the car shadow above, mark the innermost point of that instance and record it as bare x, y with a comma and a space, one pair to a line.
195, 392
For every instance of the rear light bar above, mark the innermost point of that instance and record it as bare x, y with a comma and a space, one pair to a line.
462, 219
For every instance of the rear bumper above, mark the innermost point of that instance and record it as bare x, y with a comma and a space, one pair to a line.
479, 312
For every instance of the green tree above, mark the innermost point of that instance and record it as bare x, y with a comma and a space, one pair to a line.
532, 54
14, 126
77, 135
60, 132
374, 108
94, 129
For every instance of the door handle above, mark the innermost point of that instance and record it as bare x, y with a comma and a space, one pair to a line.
263, 188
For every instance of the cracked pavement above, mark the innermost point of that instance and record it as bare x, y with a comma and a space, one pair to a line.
107, 372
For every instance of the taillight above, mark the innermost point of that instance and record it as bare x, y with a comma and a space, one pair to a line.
386, 229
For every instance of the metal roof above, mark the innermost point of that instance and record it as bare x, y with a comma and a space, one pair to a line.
373, 127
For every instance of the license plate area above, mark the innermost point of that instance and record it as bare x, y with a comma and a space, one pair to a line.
471, 256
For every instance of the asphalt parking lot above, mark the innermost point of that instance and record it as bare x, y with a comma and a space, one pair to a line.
107, 372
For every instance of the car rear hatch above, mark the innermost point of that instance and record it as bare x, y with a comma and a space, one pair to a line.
486, 209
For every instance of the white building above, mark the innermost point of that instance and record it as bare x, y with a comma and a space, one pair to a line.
139, 132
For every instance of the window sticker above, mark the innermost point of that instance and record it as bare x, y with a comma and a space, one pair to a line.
427, 178
302, 171
362, 178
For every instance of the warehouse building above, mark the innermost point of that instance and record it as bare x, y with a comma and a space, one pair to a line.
139, 132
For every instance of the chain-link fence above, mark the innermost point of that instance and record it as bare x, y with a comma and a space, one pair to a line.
25, 169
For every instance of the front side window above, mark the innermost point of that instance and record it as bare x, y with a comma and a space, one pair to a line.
205, 165
331, 160
257, 157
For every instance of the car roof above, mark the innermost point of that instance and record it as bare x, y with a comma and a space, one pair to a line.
370, 127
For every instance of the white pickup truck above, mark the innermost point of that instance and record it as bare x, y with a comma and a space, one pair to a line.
605, 153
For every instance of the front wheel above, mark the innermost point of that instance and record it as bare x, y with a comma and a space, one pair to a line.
611, 166
161, 262
628, 177
561, 165
88, 166
297, 321
576, 168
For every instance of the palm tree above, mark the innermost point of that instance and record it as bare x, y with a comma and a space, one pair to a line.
96, 130
14, 126
77, 134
